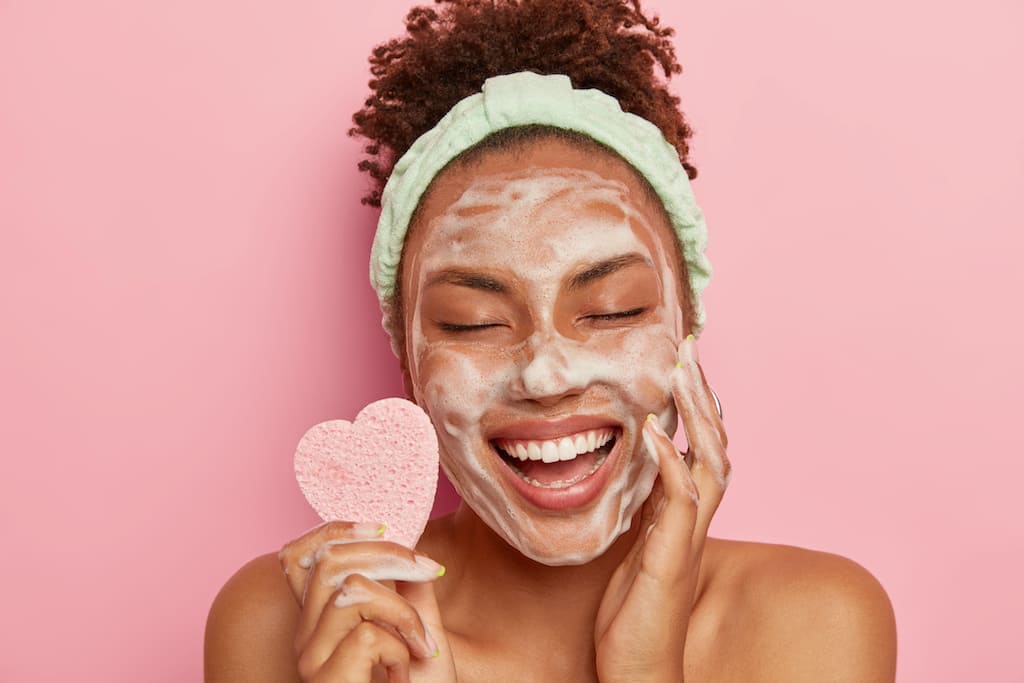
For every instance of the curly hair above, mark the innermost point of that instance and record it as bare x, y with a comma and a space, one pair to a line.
448, 53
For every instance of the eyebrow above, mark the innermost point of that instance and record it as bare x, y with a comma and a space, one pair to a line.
466, 278
605, 268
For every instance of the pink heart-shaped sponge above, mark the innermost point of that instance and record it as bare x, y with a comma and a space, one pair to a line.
382, 468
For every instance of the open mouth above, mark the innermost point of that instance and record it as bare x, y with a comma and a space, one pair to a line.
561, 462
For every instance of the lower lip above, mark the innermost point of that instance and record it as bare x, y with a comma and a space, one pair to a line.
574, 496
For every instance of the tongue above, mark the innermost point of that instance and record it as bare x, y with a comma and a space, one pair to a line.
564, 470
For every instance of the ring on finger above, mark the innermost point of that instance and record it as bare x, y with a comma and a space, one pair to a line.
718, 404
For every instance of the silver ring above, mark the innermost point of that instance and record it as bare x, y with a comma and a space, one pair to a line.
718, 404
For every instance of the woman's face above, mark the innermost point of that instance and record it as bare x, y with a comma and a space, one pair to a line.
542, 317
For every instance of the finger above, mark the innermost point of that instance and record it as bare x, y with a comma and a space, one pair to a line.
366, 646
703, 434
679, 492
675, 479
297, 556
650, 505
675, 515
711, 469
714, 402
622, 579
360, 599
375, 602
689, 358
376, 560
422, 597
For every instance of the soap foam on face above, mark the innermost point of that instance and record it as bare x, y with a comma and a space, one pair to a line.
536, 226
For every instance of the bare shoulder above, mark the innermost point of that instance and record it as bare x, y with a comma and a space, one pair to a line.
250, 627
803, 615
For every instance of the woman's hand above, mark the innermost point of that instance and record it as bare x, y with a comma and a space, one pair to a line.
353, 628
640, 631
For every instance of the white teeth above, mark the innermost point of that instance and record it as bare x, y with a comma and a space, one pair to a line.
532, 450
554, 450
566, 449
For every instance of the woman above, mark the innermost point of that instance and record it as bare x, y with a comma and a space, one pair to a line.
539, 261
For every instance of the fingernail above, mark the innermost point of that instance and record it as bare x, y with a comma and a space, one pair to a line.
367, 530
686, 351
430, 565
425, 642
653, 423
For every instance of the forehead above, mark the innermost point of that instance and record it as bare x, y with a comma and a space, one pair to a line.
533, 200
538, 214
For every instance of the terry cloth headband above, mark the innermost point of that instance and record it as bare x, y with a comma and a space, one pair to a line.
529, 99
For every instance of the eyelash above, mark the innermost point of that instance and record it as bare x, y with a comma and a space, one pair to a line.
631, 313
454, 327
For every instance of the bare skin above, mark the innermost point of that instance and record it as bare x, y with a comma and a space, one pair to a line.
663, 602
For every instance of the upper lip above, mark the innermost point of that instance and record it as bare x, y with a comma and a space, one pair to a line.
541, 430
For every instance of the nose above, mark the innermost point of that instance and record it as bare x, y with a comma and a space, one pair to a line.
548, 374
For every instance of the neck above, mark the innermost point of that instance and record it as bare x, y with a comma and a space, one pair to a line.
532, 604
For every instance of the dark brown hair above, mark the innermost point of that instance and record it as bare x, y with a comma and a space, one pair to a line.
449, 51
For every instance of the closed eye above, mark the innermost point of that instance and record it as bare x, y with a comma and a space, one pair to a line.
455, 327
631, 313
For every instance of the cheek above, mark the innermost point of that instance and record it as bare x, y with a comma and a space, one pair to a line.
453, 388
643, 360
651, 390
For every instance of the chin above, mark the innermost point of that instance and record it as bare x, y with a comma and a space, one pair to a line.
582, 552
566, 526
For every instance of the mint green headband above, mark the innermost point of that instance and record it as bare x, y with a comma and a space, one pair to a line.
528, 99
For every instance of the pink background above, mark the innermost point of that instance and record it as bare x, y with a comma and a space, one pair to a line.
183, 292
